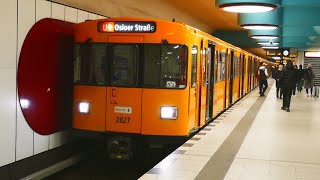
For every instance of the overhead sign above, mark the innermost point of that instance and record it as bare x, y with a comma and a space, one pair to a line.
275, 52
293, 54
127, 27
281, 53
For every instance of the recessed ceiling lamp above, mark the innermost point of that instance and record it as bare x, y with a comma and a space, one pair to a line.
270, 47
268, 43
248, 7
264, 37
276, 57
259, 26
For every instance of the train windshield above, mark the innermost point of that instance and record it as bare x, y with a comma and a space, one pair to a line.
131, 65
89, 64
165, 65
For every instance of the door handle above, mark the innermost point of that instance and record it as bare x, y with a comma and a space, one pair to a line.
113, 92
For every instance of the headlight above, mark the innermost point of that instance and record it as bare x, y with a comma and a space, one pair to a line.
84, 107
168, 112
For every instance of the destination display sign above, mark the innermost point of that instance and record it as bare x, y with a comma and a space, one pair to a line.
281, 52
127, 27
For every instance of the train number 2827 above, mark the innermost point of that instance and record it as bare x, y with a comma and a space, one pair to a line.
122, 119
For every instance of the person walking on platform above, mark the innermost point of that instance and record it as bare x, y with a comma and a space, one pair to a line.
308, 82
295, 67
300, 75
289, 80
263, 76
278, 76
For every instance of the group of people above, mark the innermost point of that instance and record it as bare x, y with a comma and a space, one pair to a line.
288, 79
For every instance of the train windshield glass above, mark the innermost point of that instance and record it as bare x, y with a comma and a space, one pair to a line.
165, 65
124, 59
89, 64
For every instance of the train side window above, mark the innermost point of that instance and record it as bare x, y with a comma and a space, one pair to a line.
204, 70
223, 66
237, 66
194, 53
218, 66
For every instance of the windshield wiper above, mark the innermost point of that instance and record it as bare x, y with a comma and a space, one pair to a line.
165, 42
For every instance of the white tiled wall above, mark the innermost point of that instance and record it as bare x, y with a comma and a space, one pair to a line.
57, 11
82, 16
8, 114
8, 47
26, 19
17, 139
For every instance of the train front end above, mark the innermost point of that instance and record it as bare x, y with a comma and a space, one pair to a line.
130, 82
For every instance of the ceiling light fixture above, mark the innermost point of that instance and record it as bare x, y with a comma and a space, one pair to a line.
268, 43
248, 7
270, 47
264, 37
259, 26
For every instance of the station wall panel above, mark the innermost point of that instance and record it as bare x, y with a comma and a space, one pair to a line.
93, 16
8, 58
82, 16
71, 14
43, 9
26, 18
57, 11
8, 35
7, 112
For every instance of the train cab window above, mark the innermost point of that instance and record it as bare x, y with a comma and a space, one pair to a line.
194, 66
123, 64
90, 64
165, 65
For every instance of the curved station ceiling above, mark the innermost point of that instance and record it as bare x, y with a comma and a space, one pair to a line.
296, 23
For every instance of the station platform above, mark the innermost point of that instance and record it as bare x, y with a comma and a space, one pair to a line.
254, 139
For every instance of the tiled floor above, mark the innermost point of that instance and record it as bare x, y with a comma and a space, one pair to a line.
279, 145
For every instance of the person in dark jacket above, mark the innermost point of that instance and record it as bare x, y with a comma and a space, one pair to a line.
289, 80
300, 75
263, 76
295, 67
308, 82
278, 76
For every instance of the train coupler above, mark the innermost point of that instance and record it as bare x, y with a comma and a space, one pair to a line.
120, 148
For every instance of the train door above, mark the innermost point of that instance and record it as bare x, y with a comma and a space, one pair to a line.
202, 85
231, 70
124, 97
210, 86
249, 74
223, 76
242, 73
193, 89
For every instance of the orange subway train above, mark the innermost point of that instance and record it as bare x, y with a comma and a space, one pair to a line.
143, 79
